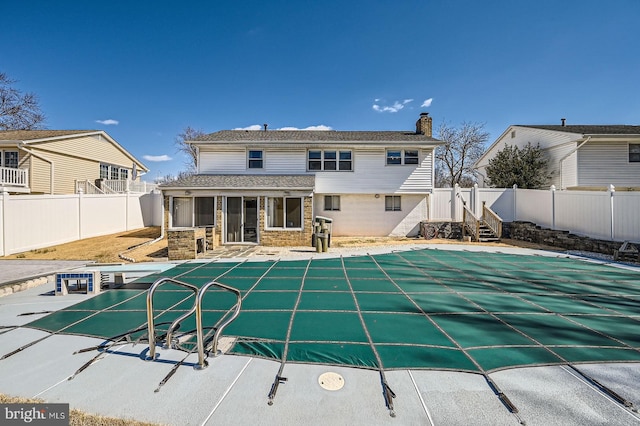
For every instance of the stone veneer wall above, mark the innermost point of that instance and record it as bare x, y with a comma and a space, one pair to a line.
182, 243
527, 231
282, 238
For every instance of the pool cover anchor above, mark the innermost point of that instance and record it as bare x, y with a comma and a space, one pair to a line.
388, 397
274, 387
606, 390
503, 398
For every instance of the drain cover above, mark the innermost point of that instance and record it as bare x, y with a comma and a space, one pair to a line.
331, 381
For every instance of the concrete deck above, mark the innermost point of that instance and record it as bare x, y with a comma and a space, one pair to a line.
233, 389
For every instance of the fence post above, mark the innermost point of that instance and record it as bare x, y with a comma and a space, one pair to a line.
5, 209
475, 191
456, 190
80, 200
515, 203
126, 210
612, 190
552, 188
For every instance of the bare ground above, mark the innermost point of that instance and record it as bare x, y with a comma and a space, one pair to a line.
135, 245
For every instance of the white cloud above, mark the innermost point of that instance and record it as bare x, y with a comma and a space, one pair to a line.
259, 127
253, 127
397, 106
427, 103
156, 158
319, 127
108, 122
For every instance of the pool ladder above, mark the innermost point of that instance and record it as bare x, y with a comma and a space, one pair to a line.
197, 308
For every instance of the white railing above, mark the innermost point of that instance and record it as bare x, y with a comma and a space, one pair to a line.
10, 176
119, 186
87, 187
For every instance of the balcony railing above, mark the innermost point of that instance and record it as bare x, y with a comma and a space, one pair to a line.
114, 186
122, 186
10, 176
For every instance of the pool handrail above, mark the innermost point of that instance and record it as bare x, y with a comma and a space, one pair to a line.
150, 324
202, 363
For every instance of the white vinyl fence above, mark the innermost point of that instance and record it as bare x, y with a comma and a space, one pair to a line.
29, 222
606, 215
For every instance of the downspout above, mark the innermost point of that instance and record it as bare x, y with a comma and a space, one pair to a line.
567, 156
21, 145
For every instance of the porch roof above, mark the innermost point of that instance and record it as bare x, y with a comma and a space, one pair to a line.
301, 182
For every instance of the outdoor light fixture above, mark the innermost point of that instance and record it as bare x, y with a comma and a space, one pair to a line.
377, 195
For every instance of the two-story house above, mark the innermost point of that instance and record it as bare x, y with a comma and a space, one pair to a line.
266, 187
64, 161
579, 156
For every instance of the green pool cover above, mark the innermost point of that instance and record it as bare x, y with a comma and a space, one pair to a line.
418, 309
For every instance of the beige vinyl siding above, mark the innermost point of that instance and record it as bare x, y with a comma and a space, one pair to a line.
39, 176
66, 171
96, 148
607, 162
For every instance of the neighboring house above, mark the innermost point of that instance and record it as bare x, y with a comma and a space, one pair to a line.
580, 156
267, 187
62, 161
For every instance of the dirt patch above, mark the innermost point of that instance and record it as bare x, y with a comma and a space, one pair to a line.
134, 245
102, 249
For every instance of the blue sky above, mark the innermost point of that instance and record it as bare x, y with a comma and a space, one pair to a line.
144, 70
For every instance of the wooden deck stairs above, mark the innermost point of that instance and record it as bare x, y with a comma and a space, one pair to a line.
487, 228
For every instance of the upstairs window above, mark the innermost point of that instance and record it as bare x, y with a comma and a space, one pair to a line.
410, 156
402, 156
9, 159
329, 160
255, 159
345, 161
634, 153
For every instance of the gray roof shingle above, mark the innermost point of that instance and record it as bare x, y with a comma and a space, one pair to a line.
587, 129
26, 135
303, 182
320, 136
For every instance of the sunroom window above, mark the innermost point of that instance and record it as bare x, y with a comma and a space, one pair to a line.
193, 211
284, 212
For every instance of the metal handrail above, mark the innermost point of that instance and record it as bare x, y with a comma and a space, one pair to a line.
174, 324
202, 363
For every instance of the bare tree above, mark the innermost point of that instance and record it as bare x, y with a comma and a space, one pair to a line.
189, 134
18, 111
462, 147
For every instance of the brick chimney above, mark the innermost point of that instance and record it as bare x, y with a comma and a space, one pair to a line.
423, 125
